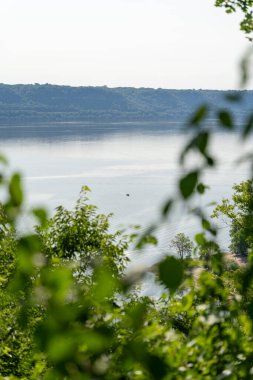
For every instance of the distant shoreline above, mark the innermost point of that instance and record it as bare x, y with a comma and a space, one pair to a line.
36, 104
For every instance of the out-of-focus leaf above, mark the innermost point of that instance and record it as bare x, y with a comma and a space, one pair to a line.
27, 247
157, 367
41, 215
136, 314
248, 127
217, 263
187, 301
210, 161
207, 226
201, 188
167, 207
245, 65
86, 188
147, 238
199, 115
3, 160
105, 284
246, 157
15, 190
226, 119
59, 283
233, 97
200, 239
202, 141
188, 183
171, 273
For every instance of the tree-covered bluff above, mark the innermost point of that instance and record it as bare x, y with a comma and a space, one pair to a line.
52, 103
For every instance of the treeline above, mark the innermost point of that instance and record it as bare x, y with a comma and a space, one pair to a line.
51, 103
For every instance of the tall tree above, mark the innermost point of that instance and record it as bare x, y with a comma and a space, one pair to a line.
183, 245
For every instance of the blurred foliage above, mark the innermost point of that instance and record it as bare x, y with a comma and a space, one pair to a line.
68, 310
75, 314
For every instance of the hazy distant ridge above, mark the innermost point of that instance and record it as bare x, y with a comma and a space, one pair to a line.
48, 103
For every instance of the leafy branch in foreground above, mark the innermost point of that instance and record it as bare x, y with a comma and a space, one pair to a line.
245, 6
74, 316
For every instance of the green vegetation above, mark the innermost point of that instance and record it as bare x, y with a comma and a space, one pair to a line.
239, 213
68, 310
245, 6
51, 103
183, 245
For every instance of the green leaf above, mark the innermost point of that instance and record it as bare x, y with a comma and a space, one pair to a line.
41, 215
15, 190
202, 141
207, 226
105, 284
188, 183
167, 207
157, 367
136, 315
210, 161
201, 188
171, 273
226, 119
200, 239
199, 115
248, 127
147, 238
86, 188
3, 160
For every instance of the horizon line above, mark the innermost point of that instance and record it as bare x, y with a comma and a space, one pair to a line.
121, 87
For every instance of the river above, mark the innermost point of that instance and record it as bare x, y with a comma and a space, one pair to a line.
131, 169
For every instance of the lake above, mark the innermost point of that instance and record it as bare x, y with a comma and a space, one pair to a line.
114, 160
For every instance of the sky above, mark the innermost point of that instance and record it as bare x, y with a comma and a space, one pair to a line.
137, 43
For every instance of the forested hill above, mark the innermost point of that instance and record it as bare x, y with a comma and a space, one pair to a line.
51, 103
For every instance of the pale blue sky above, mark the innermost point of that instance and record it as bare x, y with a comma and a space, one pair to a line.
140, 43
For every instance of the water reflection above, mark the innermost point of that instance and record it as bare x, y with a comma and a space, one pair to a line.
58, 132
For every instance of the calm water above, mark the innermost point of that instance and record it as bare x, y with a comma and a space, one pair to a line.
115, 160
